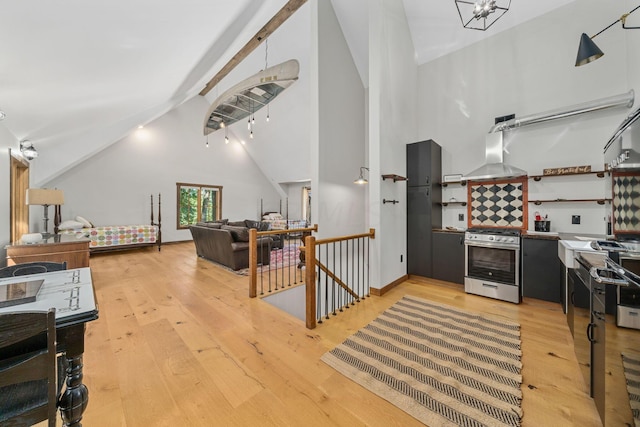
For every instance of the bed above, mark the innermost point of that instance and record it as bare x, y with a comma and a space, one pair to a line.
113, 237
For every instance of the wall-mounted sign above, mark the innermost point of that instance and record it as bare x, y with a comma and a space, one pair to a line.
570, 170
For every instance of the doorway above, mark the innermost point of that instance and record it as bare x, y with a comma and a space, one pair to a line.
19, 211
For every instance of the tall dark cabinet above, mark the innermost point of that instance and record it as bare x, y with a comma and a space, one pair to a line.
424, 209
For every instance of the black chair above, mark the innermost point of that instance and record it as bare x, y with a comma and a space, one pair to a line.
32, 268
28, 385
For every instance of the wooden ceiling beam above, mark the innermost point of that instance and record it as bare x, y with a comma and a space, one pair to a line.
264, 32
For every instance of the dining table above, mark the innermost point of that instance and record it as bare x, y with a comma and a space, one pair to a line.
71, 293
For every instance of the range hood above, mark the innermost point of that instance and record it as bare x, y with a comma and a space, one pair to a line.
622, 151
494, 168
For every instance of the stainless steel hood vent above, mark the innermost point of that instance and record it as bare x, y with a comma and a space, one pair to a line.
494, 168
622, 151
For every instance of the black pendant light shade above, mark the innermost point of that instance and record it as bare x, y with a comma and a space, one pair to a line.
587, 51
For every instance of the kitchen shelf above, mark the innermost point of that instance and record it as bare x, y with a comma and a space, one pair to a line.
598, 201
394, 177
462, 183
599, 174
453, 203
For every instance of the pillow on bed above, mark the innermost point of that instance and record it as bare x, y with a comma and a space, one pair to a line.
84, 222
70, 225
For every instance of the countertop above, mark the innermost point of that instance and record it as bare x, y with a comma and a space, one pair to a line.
542, 235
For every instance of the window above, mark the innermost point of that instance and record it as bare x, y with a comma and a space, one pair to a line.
198, 203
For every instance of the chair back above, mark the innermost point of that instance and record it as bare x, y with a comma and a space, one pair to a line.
28, 368
32, 268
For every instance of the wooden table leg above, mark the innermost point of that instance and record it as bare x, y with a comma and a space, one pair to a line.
74, 400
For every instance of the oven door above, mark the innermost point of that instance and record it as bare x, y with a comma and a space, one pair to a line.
492, 271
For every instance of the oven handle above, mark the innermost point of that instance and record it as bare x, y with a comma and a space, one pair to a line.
492, 245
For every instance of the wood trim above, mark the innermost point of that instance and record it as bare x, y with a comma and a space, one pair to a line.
310, 281
264, 32
18, 210
387, 288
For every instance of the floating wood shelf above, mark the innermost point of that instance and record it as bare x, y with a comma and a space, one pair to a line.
444, 184
599, 174
598, 201
394, 177
454, 203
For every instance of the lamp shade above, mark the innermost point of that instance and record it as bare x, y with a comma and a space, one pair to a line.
587, 51
44, 196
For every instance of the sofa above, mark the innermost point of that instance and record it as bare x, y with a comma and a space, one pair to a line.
228, 244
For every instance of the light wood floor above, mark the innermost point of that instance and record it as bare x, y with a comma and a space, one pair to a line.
179, 343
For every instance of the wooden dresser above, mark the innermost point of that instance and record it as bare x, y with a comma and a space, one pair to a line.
57, 248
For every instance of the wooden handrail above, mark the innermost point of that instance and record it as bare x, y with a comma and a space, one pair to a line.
371, 233
337, 280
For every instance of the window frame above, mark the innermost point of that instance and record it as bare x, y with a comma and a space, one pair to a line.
200, 188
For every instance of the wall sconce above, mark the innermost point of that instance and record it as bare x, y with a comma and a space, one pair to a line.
588, 51
45, 197
28, 150
361, 180
481, 14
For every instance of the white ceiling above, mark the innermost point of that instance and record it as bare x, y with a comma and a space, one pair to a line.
84, 74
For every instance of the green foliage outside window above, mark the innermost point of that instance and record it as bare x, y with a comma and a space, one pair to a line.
197, 203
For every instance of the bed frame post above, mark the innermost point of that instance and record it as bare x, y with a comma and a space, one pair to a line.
159, 224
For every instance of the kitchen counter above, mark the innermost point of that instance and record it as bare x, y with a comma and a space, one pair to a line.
449, 230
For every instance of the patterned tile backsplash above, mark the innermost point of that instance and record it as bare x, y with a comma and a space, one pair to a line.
626, 202
498, 204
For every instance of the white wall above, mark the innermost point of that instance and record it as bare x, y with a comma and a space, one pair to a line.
393, 112
339, 147
113, 187
527, 70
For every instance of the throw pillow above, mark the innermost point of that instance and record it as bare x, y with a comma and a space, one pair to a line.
237, 223
84, 222
70, 225
239, 234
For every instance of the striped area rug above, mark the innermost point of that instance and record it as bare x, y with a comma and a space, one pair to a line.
442, 365
631, 364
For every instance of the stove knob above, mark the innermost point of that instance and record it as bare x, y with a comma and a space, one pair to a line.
491, 237
499, 239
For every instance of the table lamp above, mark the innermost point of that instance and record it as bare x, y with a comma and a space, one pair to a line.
45, 197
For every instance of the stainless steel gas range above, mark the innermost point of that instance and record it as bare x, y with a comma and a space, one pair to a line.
492, 263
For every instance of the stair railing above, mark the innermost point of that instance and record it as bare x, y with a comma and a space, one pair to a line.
336, 274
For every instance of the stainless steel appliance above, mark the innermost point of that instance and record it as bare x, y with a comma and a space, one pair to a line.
627, 297
492, 263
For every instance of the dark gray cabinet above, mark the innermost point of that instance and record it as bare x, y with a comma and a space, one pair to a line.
541, 269
424, 211
448, 256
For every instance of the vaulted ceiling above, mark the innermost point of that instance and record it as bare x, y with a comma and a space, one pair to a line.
77, 76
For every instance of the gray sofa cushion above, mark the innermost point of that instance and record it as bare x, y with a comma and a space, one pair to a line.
209, 224
240, 234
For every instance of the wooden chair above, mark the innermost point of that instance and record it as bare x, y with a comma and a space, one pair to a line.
28, 368
32, 268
